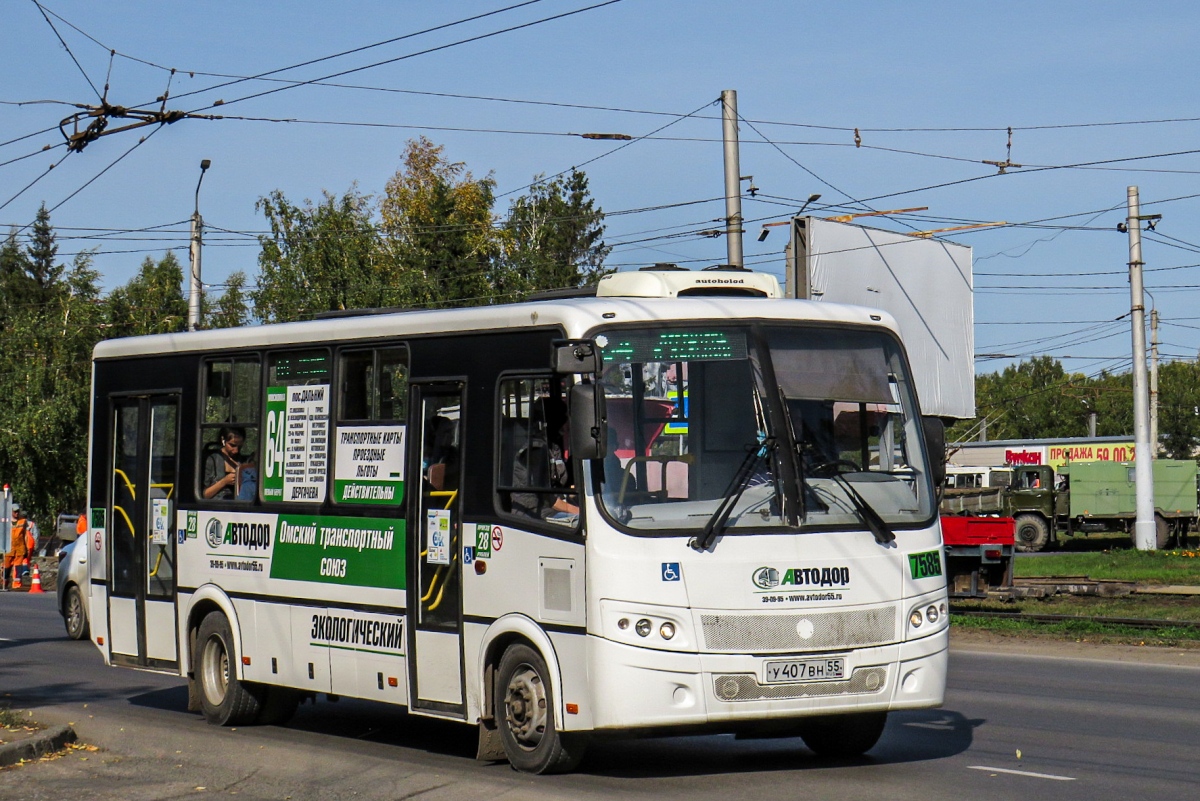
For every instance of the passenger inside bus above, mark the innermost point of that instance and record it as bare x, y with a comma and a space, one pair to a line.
230, 474
441, 454
543, 463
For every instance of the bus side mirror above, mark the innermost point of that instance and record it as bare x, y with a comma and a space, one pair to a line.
935, 446
575, 356
589, 426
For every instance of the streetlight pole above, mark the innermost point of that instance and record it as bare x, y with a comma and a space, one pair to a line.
733, 179
196, 288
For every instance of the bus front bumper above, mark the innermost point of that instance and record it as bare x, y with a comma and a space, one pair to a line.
643, 688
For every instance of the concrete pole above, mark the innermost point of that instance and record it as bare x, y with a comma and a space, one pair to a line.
196, 288
733, 178
1144, 529
1154, 383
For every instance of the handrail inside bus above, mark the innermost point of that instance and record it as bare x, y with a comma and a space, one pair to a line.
157, 562
128, 522
128, 483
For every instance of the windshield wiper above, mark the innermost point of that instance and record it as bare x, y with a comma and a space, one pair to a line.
733, 493
878, 526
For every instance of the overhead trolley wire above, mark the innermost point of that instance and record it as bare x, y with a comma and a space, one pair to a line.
426, 51
46, 17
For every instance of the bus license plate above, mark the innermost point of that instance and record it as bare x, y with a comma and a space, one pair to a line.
796, 670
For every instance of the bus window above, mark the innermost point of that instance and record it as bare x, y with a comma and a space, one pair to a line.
229, 430
371, 431
533, 477
374, 385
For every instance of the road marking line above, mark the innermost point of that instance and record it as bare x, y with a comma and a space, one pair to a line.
1050, 776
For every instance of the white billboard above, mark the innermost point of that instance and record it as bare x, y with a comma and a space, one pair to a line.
926, 284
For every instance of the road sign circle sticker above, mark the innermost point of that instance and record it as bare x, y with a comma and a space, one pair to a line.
497, 538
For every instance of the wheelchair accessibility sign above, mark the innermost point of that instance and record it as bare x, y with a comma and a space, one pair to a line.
671, 571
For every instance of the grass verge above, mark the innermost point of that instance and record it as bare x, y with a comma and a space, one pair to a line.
1082, 631
1167, 609
1177, 566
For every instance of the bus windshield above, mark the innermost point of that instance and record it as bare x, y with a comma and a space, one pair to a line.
796, 426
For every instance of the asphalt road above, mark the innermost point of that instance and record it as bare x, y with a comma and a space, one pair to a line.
1118, 726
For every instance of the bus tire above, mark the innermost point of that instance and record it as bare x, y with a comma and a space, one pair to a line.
73, 614
843, 736
524, 710
224, 700
1162, 531
1032, 534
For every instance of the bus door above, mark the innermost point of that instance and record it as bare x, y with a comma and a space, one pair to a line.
141, 508
435, 586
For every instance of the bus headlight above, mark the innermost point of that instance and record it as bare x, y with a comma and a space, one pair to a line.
667, 630
642, 628
932, 614
915, 620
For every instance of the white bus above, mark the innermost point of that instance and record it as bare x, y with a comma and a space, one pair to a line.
737, 534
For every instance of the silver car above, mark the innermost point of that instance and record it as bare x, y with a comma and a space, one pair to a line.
72, 588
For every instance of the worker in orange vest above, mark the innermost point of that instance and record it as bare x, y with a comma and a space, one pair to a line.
18, 554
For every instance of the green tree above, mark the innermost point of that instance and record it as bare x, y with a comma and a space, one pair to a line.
42, 253
320, 257
152, 302
1033, 399
438, 230
15, 284
232, 309
556, 234
1179, 409
53, 317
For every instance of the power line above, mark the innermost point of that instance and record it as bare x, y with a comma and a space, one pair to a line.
426, 51
68, 49
30, 185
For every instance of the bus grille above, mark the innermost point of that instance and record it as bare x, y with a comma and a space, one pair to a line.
824, 630
744, 687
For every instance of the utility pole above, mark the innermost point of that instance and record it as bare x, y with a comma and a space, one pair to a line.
1144, 529
733, 178
1153, 383
195, 287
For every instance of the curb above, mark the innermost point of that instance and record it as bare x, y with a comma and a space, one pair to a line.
45, 742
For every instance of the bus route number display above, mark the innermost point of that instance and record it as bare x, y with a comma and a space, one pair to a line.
296, 462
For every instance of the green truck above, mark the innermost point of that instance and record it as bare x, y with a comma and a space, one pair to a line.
1082, 496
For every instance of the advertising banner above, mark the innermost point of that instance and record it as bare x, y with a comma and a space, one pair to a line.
369, 467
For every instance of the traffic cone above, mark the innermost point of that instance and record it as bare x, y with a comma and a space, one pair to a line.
35, 582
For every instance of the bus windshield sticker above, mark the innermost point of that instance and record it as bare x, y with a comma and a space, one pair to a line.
369, 467
297, 445
437, 528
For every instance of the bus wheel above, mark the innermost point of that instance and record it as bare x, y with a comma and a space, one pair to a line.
224, 700
843, 736
525, 716
1032, 533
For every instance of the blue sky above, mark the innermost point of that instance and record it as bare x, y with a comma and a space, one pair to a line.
807, 74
